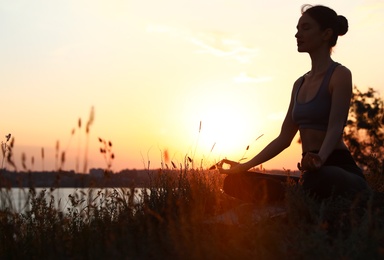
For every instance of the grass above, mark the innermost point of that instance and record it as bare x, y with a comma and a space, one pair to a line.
170, 222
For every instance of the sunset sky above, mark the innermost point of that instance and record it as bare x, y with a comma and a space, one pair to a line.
153, 70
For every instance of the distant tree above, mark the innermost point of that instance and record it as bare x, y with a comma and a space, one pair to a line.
364, 132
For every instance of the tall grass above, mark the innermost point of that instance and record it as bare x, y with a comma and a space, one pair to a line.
170, 221
176, 218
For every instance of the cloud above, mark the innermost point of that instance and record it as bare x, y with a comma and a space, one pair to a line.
224, 46
245, 78
215, 43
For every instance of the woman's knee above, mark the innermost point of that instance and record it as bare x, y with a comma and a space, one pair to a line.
232, 183
332, 180
253, 188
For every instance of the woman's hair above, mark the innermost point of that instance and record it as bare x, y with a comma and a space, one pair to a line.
327, 18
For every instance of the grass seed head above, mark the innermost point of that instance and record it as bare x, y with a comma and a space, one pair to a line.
166, 156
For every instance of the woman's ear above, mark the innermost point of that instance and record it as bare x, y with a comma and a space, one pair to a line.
327, 34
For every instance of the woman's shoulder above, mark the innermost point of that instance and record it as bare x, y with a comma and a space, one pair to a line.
296, 86
342, 77
342, 71
298, 82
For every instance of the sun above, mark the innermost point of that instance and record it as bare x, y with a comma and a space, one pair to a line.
227, 126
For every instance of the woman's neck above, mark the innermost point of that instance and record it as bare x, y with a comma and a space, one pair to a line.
320, 62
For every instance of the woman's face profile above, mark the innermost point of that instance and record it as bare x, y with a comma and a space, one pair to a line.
308, 35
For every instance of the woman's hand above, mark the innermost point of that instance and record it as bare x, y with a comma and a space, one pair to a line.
233, 166
310, 162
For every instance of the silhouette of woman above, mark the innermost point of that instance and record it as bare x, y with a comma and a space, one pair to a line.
318, 109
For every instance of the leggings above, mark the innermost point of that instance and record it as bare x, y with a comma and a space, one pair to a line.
339, 176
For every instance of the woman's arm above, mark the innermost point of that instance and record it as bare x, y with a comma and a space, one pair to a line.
287, 133
341, 91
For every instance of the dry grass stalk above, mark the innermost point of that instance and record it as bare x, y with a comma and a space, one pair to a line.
42, 158
87, 129
106, 151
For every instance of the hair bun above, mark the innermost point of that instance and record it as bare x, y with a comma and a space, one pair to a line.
342, 25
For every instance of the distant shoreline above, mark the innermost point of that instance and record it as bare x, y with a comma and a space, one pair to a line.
61, 179
97, 178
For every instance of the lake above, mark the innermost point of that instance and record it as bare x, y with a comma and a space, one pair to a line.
16, 198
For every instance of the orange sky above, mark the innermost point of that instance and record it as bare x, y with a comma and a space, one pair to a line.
153, 70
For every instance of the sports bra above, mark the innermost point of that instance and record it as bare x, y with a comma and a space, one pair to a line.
314, 114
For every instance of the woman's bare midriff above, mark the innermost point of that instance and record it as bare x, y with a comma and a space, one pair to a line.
311, 140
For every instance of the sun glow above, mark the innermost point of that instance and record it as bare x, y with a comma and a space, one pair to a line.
227, 126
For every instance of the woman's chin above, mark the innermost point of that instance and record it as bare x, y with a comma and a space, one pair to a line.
301, 49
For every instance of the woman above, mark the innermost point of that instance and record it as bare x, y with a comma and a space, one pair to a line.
318, 109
